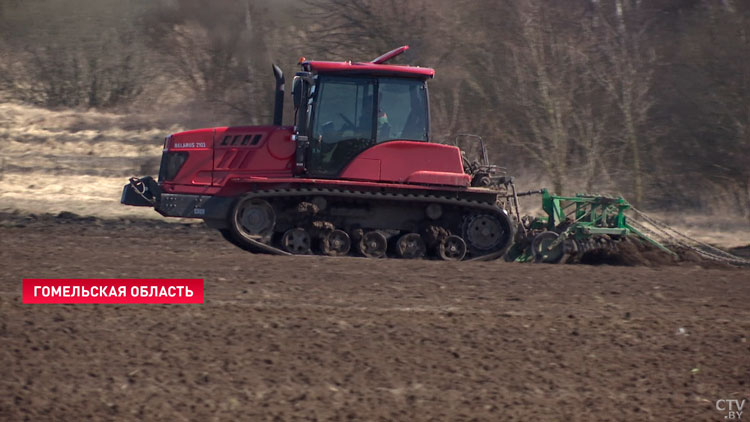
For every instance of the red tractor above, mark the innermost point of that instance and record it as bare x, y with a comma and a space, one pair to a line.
356, 174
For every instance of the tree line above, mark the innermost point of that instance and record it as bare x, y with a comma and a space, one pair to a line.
647, 99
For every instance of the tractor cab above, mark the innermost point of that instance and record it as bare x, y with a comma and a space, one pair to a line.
342, 109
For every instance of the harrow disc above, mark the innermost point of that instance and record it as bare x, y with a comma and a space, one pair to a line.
546, 248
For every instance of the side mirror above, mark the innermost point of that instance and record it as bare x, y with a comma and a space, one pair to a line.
298, 87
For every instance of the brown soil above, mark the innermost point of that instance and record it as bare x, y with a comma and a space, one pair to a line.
636, 252
353, 339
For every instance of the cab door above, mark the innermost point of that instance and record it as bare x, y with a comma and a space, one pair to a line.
343, 123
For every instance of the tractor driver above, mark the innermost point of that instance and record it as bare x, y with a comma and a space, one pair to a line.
383, 126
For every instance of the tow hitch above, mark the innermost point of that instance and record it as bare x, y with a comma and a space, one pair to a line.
141, 192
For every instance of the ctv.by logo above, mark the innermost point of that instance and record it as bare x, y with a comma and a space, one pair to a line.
732, 407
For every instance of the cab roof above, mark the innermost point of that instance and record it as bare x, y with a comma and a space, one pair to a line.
369, 69
374, 67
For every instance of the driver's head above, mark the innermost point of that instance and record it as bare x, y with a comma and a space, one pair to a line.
382, 117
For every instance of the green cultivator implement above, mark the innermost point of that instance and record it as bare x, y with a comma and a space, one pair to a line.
574, 226
584, 228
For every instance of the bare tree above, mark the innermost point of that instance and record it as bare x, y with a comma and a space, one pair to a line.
219, 53
729, 98
363, 29
627, 77
73, 69
554, 112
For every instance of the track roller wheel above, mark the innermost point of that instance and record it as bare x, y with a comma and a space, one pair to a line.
410, 246
547, 249
373, 244
453, 248
252, 220
335, 243
296, 241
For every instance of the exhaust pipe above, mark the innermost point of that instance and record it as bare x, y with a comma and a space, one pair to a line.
278, 105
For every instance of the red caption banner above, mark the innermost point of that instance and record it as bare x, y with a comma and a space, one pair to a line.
112, 290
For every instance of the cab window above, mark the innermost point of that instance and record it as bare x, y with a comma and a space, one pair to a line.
402, 110
342, 123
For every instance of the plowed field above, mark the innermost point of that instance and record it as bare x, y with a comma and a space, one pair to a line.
308, 338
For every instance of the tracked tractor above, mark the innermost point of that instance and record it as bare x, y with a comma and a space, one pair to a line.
355, 174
